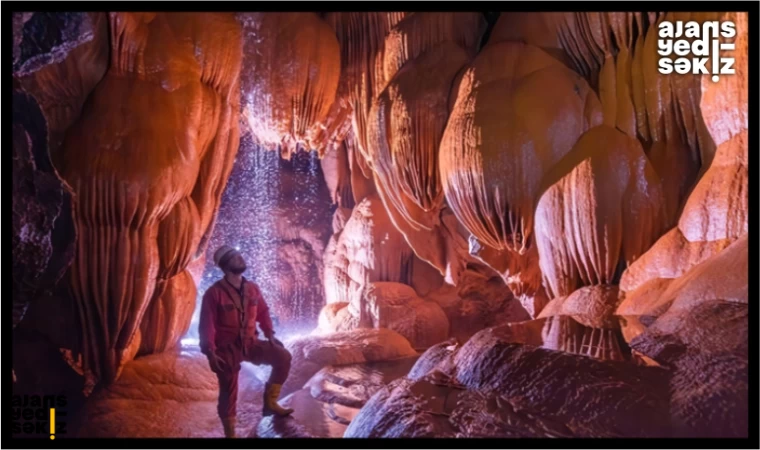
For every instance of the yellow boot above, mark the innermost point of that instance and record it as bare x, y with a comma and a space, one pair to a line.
271, 394
229, 427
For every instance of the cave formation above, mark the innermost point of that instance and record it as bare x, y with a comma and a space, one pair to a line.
465, 224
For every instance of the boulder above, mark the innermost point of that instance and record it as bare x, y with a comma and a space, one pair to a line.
707, 350
352, 385
591, 306
397, 307
312, 353
493, 388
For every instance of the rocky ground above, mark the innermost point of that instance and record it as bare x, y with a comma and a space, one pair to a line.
174, 394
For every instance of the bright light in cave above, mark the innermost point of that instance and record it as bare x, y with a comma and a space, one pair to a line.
248, 221
189, 342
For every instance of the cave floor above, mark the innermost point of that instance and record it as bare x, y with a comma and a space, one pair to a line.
174, 394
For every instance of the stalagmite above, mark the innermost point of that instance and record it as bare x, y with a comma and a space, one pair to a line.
601, 211
368, 249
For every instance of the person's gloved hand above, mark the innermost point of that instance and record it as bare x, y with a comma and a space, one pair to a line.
273, 340
216, 363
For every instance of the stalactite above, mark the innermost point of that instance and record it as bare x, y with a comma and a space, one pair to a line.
492, 157
361, 37
617, 54
292, 71
170, 142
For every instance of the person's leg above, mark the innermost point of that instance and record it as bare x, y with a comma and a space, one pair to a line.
228, 393
266, 353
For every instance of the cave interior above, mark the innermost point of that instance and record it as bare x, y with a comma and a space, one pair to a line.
465, 224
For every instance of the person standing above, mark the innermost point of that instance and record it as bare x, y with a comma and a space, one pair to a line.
229, 312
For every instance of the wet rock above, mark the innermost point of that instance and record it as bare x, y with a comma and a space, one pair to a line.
43, 229
478, 301
435, 357
707, 349
312, 353
397, 307
42, 38
354, 384
310, 418
492, 387
399, 410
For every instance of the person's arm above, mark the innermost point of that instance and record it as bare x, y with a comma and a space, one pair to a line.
262, 315
206, 328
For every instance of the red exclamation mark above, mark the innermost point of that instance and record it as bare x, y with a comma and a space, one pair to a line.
52, 423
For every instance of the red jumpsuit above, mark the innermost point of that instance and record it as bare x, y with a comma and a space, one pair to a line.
228, 328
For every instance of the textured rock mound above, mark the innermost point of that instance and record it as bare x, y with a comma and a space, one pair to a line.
173, 394
312, 353
394, 306
480, 300
706, 347
331, 399
368, 249
492, 387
